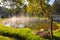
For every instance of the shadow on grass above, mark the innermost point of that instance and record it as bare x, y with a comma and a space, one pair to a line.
56, 38
16, 36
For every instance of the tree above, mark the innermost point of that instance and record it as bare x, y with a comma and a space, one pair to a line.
34, 7
49, 16
43, 6
10, 6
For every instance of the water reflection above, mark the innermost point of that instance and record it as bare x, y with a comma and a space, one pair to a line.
31, 22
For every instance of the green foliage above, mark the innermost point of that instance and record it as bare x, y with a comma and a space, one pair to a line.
6, 9
56, 35
33, 7
4, 38
56, 8
23, 34
36, 7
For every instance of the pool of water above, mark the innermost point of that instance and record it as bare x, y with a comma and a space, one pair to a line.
26, 22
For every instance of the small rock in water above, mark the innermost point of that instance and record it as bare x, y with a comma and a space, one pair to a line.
21, 26
7, 24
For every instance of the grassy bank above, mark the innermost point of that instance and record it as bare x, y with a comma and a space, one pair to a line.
19, 34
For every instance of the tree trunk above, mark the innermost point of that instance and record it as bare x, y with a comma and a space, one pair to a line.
51, 30
51, 20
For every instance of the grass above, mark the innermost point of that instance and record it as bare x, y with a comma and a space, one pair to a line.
19, 34
9, 33
4, 38
22, 34
58, 24
56, 35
